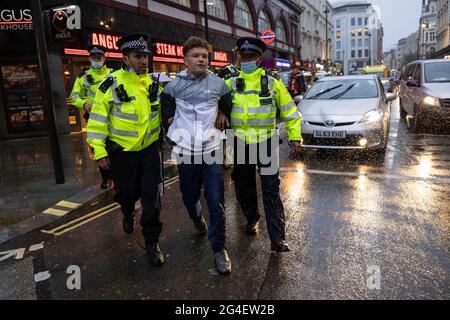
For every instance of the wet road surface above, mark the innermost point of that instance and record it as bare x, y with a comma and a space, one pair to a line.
359, 227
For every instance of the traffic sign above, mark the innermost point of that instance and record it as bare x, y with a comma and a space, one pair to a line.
268, 36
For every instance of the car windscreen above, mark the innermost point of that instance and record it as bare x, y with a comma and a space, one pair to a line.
437, 72
343, 89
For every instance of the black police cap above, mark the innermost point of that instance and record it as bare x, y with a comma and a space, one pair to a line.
248, 45
134, 42
96, 49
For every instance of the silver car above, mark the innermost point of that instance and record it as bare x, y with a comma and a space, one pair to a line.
425, 93
349, 112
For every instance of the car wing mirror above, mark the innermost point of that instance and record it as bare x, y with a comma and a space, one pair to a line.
390, 97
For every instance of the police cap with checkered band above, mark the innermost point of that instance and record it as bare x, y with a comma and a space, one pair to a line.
134, 42
96, 49
249, 45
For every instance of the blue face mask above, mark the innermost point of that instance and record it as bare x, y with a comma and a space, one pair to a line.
249, 67
96, 65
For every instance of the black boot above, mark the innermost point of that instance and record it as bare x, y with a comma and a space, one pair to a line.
128, 224
155, 254
282, 246
201, 226
222, 262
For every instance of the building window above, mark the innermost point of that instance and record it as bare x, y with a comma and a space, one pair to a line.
353, 32
432, 37
366, 42
242, 15
338, 55
295, 39
281, 31
216, 8
366, 21
359, 53
366, 53
360, 33
360, 43
186, 3
338, 24
353, 53
338, 34
263, 22
338, 45
353, 43
353, 22
359, 21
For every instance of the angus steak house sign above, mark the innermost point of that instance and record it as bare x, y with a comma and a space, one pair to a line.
15, 20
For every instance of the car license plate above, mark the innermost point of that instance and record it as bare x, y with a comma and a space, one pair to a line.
330, 134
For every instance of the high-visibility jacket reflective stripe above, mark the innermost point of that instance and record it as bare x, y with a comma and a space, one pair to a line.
83, 91
134, 124
254, 117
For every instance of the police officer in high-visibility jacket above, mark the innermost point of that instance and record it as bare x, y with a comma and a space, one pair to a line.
123, 129
85, 88
257, 94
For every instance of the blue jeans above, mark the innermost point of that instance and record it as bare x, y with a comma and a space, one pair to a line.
192, 176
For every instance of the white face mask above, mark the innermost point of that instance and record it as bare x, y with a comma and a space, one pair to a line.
96, 65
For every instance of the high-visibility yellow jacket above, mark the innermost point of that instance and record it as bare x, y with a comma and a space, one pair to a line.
86, 85
253, 116
134, 124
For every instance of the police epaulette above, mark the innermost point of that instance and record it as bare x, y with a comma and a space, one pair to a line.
231, 75
273, 74
81, 74
106, 84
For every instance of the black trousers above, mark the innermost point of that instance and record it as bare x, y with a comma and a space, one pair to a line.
138, 175
244, 176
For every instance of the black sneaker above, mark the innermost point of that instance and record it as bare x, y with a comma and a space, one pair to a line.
252, 228
282, 246
201, 226
155, 255
222, 262
128, 224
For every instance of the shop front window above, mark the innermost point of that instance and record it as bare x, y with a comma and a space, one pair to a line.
23, 97
216, 8
242, 15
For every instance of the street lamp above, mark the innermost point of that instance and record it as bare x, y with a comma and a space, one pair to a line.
207, 3
369, 34
327, 11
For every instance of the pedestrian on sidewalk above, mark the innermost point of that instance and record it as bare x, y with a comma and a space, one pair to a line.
85, 88
194, 105
257, 94
297, 83
124, 129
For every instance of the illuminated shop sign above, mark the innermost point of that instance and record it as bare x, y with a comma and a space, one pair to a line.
282, 64
173, 53
105, 40
65, 20
16, 20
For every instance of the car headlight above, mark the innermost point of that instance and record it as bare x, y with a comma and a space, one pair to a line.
372, 116
431, 101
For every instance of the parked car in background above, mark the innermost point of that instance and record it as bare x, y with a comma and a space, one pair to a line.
425, 94
351, 112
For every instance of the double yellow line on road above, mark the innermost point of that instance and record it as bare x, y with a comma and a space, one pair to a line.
93, 215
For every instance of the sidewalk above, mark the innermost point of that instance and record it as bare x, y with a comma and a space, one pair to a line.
27, 183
